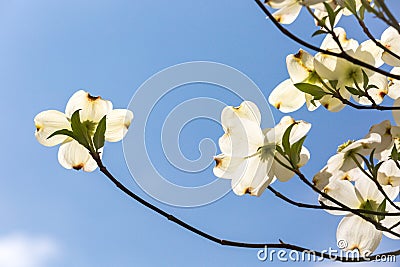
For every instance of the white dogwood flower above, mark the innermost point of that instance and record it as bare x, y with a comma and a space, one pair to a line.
286, 97
92, 109
288, 10
347, 73
389, 173
346, 158
394, 85
343, 167
358, 233
391, 40
247, 156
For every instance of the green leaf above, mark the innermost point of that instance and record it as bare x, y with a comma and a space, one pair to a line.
80, 132
369, 166
314, 90
99, 135
361, 11
333, 83
279, 149
371, 157
382, 208
365, 79
367, 6
318, 32
394, 154
372, 86
296, 150
63, 132
351, 5
354, 91
331, 14
285, 139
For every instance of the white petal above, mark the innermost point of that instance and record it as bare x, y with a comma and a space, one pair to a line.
320, 12
344, 192
247, 110
286, 97
389, 174
358, 234
254, 179
370, 53
321, 179
92, 108
311, 106
396, 113
331, 104
304, 157
391, 40
377, 94
394, 86
326, 67
279, 3
72, 155
299, 130
226, 166
46, 123
287, 14
384, 130
389, 221
279, 171
242, 138
118, 122
330, 44
367, 190
300, 66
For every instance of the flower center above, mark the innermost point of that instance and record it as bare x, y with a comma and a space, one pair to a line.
267, 151
90, 126
344, 145
370, 205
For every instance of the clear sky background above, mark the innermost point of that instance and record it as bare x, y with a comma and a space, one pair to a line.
50, 216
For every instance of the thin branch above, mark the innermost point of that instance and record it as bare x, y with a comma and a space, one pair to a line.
317, 49
361, 107
372, 38
377, 225
325, 207
223, 242
394, 225
394, 23
375, 181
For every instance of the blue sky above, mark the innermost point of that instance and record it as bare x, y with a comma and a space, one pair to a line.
50, 49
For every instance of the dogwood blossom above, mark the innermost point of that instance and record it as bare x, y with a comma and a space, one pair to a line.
286, 97
288, 10
342, 166
92, 109
394, 85
248, 153
344, 160
391, 40
348, 74
358, 233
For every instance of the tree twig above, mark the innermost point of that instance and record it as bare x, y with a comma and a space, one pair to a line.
317, 49
223, 242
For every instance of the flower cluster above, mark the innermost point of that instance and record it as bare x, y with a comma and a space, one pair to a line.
249, 155
72, 154
350, 177
329, 80
289, 10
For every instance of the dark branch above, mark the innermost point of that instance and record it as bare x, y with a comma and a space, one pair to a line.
223, 242
317, 49
325, 207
